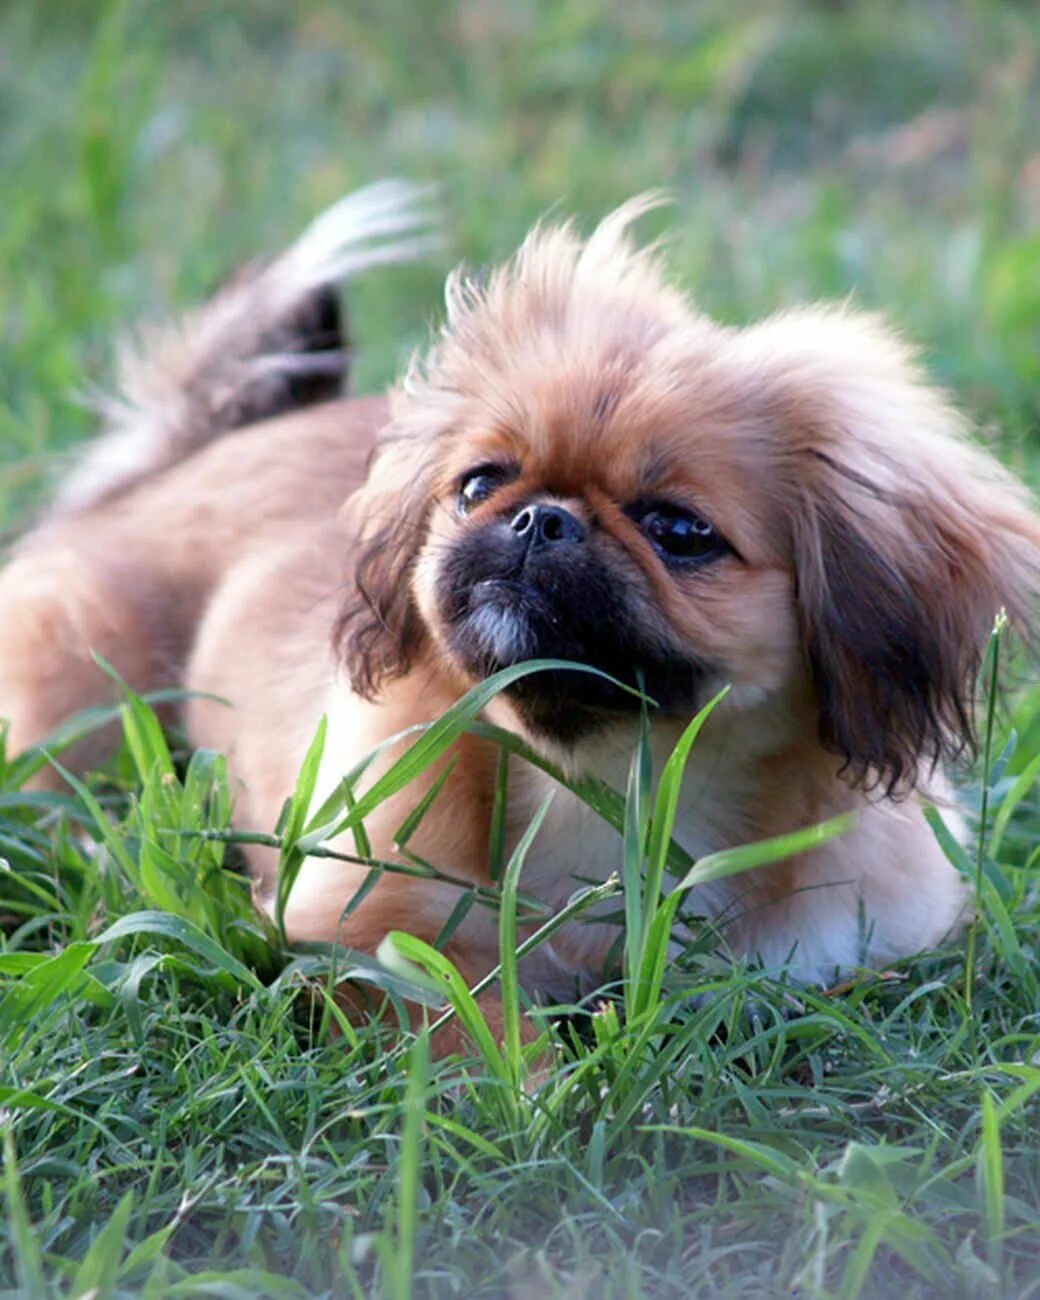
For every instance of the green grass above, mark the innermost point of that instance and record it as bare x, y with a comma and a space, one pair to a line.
183, 1110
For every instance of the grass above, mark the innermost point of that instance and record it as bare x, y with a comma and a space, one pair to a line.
183, 1110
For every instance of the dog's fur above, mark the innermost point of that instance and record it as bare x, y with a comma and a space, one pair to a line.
864, 547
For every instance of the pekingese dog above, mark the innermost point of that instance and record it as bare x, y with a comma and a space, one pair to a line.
582, 467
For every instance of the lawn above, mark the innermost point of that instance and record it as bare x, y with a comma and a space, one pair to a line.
181, 1110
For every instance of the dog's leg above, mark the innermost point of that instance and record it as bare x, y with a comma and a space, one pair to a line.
60, 605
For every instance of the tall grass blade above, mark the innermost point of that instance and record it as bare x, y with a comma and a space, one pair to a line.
989, 731
636, 829
99, 1269
293, 821
407, 1182
417, 961
647, 953
989, 1172
747, 857
507, 945
28, 1258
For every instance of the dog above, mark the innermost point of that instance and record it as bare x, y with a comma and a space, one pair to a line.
581, 467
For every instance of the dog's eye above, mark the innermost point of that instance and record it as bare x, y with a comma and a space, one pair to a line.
678, 534
478, 484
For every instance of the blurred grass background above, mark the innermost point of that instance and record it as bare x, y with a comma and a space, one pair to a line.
884, 150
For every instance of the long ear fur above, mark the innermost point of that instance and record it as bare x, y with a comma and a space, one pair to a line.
379, 631
907, 542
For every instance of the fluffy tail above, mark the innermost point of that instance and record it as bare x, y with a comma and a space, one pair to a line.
270, 341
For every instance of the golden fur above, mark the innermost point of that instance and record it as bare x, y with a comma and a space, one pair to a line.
869, 546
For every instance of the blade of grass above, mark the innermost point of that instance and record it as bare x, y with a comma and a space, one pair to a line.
497, 831
414, 819
509, 979
415, 960
980, 842
746, 857
99, 1268
989, 1172
180, 931
646, 956
406, 1202
637, 818
450, 725
294, 820
28, 1258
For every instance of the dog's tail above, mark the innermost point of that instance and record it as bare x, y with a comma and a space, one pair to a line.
270, 341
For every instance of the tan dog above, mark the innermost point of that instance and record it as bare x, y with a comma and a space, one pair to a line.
582, 467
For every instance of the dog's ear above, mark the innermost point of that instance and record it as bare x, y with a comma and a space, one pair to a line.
907, 542
379, 631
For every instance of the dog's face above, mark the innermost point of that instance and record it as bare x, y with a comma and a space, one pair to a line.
612, 520
586, 469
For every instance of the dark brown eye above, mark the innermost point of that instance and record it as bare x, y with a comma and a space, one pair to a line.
476, 485
679, 535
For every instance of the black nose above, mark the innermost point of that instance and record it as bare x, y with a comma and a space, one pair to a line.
543, 525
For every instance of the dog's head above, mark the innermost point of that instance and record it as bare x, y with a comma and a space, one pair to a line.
586, 468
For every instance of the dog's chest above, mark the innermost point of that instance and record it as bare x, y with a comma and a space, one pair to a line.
575, 846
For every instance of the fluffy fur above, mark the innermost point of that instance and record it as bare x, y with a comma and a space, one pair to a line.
844, 551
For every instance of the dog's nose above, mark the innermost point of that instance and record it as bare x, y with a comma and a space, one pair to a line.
543, 525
